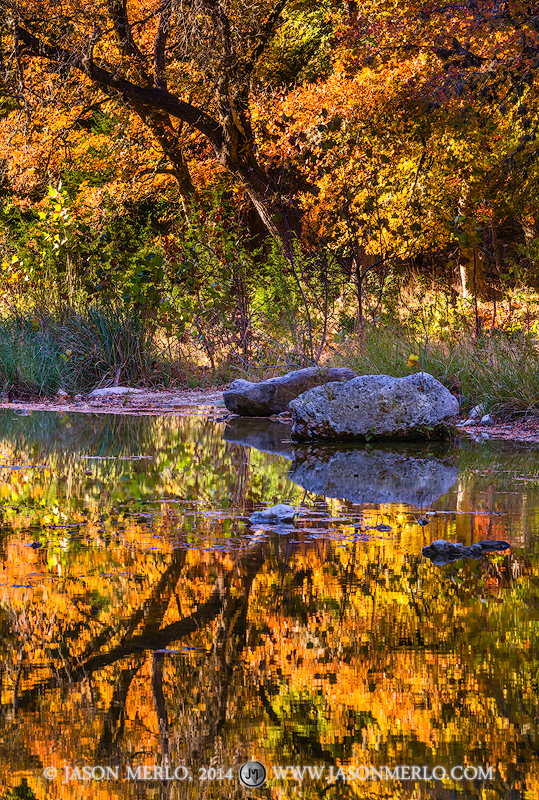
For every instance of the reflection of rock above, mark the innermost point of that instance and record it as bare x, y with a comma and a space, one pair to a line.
372, 476
374, 406
442, 552
260, 433
273, 395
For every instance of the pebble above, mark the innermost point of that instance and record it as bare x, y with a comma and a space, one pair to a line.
477, 411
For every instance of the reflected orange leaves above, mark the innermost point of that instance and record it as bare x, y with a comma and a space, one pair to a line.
166, 630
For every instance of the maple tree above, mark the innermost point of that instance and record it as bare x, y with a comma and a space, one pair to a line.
385, 137
472, 96
151, 57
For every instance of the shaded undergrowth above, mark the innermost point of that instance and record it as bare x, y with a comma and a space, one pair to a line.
109, 346
104, 346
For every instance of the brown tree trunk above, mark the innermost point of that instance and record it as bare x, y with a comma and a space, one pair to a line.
473, 276
230, 134
161, 127
471, 265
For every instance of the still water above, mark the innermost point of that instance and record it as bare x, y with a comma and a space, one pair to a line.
153, 641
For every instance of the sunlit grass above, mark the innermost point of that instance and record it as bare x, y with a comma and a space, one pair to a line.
500, 370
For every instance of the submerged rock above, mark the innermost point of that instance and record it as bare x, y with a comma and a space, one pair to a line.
280, 514
372, 476
273, 395
375, 407
442, 552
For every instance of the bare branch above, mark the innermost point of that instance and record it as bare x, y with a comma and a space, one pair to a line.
272, 23
120, 20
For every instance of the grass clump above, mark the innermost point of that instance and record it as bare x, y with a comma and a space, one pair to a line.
500, 371
40, 354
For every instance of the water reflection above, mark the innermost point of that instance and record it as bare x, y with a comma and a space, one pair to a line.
416, 475
372, 475
262, 434
152, 628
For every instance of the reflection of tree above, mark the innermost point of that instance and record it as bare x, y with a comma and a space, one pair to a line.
144, 629
307, 651
422, 615
151, 637
113, 721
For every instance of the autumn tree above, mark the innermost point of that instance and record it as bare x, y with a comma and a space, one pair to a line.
189, 71
474, 94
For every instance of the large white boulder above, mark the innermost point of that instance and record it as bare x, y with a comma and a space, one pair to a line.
374, 407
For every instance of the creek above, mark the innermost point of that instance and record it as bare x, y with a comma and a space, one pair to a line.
154, 638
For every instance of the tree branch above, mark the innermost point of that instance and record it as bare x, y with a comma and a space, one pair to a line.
120, 20
159, 47
152, 97
263, 37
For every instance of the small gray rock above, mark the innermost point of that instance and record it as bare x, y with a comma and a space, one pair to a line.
275, 515
113, 391
486, 419
445, 547
61, 394
492, 544
477, 411
473, 551
442, 552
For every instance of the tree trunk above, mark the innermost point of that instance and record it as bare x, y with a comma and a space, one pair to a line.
530, 228
229, 133
473, 277
471, 265
161, 127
